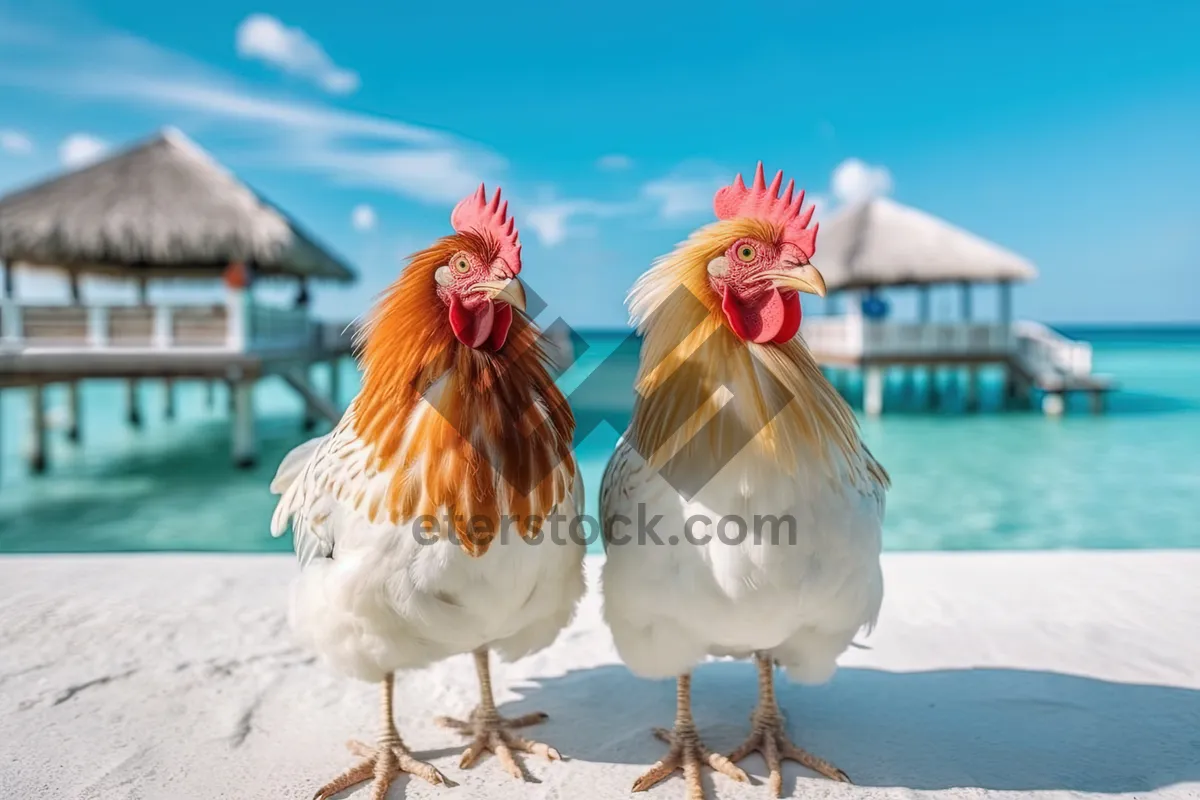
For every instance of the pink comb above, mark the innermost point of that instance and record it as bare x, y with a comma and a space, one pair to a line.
475, 213
763, 202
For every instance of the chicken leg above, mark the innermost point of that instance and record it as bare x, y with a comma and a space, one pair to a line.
493, 733
687, 751
769, 737
383, 762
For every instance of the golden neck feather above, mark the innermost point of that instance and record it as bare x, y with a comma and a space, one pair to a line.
704, 391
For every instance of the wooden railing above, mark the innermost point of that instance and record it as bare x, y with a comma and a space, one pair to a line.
238, 325
334, 335
269, 327
852, 337
1044, 350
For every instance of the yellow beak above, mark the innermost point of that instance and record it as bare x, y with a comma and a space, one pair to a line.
508, 291
804, 278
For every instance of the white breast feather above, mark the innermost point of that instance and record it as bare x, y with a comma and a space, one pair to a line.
804, 599
376, 597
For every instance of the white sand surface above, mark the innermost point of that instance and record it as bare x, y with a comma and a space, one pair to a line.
989, 674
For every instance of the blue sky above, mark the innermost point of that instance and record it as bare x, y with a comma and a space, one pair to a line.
1066, 131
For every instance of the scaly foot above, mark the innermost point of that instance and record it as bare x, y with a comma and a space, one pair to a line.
687, 753
768, 735
381, 764
770, 739
493, 733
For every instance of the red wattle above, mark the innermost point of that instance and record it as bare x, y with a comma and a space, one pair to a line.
791, 317
471, 326
759, 319
500, 325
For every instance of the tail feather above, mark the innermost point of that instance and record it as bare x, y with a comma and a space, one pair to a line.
288, 483
293, 464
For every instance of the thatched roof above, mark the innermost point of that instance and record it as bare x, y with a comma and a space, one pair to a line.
883, 243
163, 208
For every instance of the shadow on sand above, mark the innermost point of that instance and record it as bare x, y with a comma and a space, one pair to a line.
998, 729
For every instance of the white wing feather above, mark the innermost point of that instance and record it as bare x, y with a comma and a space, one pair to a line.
321, 482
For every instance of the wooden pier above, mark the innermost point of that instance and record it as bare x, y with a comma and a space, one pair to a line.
237, 344
162, 210
879, 246
1037, 362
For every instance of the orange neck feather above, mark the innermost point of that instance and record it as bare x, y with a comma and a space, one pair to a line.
482, 439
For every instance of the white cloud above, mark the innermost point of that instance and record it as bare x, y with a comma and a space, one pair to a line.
854, 181
81, 149
549, 222
614, 162
679, 198
553, 219
363, 218
15, 142
343, 146
115, 66
442, 176
353, 149
230, 102
263, 37
684, 193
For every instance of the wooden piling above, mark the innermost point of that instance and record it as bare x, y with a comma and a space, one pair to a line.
926, 400
971, 400
244, 445
873, 391
6, 284
309, 422
74, 412
936, 392
1053, 404
37, 450
169, 399
133, 403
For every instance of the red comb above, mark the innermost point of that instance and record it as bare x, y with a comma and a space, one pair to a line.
476, 213
763, 202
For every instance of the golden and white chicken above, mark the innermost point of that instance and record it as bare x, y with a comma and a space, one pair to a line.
769, 505
413, 518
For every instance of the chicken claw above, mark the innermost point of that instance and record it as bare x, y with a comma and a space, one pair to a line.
687, 752
383, 762
492, 733
768, 736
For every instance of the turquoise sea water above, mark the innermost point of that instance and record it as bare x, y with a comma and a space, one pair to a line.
1127, 479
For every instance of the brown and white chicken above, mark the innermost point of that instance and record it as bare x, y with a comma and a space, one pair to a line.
413, 517
771, 506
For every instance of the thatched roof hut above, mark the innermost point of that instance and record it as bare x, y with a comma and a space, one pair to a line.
161, 209
883, 243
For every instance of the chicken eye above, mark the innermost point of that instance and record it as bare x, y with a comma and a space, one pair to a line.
746, 253
462, 265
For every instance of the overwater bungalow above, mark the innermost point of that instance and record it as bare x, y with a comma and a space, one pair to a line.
162, 210
871, 249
